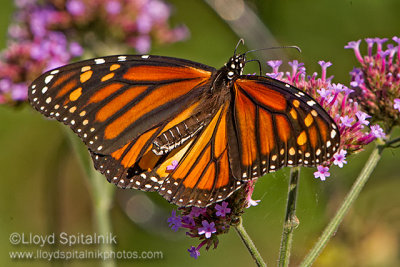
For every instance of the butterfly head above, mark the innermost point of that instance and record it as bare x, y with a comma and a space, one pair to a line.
235, 65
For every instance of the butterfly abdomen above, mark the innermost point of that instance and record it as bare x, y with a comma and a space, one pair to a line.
180, 133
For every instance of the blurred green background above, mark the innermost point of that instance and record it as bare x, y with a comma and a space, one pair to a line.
31, 201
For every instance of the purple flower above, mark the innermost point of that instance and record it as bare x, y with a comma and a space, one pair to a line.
346, 121
173, 165
41, 34
222, 209
189, 220
174, 221
274, 64
356, 47
194, 252
324, 93
76, 7
322, 172
324, 65
396, 104
208, 229
251, 203
196, 211
377, 131
362, 117
340, 158
377, 82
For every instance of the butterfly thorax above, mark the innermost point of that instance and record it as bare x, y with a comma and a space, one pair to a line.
211, 101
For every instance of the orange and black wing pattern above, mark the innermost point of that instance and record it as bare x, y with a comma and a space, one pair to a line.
119, 105
203, 174
111, 101
193, 134
277, 125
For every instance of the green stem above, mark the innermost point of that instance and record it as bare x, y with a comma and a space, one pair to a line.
101, 193
348, 201
249, 244
291, 220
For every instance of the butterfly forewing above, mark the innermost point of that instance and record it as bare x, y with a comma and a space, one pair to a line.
111, 101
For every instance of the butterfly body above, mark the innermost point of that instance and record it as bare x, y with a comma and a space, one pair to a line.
186, 130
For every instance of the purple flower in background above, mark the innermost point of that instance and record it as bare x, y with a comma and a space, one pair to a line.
75, 49
377, 131
208, 229
113, 7
142, 44
45, 35
376, 83
75, 7
322, 173
396, 104
222, 209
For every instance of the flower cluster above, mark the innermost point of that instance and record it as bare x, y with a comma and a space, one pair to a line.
49, 33
335, 99
376, 82
207, 223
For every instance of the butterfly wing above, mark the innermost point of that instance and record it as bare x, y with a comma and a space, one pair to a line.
112, 100
277, 125
119, 105
203, 175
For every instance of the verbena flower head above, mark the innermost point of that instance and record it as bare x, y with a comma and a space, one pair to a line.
50, 33
206, 224
335, 99
376, 83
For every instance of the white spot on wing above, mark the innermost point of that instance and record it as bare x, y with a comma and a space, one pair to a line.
121, 58
48, 79
99, 61
311, 103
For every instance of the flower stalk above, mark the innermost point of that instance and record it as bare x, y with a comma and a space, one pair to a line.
101, 194
249, 244
347, 203
291, 220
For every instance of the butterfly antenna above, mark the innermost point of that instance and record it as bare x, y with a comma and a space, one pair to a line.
259, 64
240, 41
275, 47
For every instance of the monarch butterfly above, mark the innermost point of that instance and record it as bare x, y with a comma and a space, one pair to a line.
190, 132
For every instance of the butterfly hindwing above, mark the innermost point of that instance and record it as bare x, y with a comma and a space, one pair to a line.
203, 175
278, 125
